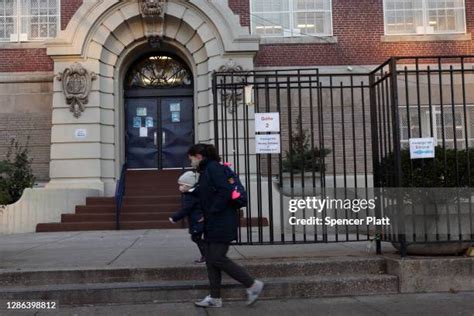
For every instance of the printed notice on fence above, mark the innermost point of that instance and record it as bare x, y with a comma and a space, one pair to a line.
267, 122
267, 144
422, 148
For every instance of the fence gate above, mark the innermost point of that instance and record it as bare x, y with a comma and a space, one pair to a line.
338, 134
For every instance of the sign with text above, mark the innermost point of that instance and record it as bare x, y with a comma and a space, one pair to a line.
422, 148
80, 133
267, 144
267, 122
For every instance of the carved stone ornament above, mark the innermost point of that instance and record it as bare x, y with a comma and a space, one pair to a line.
234, 96
152, 8
77, 82
154, 41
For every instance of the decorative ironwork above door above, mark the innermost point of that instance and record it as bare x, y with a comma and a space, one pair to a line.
158, 71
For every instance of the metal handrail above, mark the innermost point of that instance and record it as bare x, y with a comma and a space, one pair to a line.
119, 193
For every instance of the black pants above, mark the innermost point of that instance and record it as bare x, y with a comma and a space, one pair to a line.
217, 261
197, 238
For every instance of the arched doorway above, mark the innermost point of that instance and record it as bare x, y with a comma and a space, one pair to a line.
159, 115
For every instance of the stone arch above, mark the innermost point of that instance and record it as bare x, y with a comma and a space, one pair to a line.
102, 36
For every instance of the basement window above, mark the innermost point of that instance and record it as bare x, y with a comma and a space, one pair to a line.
287, 18
29, 20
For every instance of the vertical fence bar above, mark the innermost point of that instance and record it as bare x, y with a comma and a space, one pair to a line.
375, 154
333, 135
280, 162
303, 159
248, 172
269, 166
322, 146
396, 149
468, 158
344, 162
215, 109
290, 150
313, 162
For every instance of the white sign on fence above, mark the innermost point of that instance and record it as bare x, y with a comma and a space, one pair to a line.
267, 122
422, 148
267, 144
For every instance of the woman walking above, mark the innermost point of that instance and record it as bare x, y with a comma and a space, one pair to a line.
220, 225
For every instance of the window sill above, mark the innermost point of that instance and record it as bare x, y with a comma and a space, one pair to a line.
426, 38
22, 45
299, 40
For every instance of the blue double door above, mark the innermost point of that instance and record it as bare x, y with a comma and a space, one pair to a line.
159, 132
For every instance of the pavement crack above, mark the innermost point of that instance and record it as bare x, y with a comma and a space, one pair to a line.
235, 248
130, 246
369, 306
41, 245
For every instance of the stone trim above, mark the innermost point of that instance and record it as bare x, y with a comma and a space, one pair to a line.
22, 45
426, 38
299, 40
26, 77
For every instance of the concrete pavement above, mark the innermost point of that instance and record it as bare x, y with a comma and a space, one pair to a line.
446, 304
143, 249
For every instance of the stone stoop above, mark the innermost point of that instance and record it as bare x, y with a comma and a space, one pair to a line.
151, 197
283, 279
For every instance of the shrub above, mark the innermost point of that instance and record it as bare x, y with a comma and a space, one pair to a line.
303, 156
431, 173
15, 173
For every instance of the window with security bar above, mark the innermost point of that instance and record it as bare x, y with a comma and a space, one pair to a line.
411, 17
279, 18
437, 124
29, 20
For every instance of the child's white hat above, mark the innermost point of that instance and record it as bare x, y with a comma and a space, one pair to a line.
188, 178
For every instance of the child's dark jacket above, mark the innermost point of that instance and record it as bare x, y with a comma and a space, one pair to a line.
191, 207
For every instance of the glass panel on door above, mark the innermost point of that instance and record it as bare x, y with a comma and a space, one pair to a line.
141, 133
177, 131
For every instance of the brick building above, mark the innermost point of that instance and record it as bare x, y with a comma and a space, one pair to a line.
68, 67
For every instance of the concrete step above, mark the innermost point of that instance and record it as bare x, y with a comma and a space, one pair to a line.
164, 208
263, 268
110, 201
87, 217
136, 191
95, 209
151, 200
178, 291
155, 224
145, 216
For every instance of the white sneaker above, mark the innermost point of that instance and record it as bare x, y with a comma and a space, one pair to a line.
208, 301
254, 291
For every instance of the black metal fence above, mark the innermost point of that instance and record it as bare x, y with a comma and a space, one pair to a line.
430, 199
343, 138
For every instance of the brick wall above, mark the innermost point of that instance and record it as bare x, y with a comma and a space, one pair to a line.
68, 8
243, 9
28, 60
25, 60
358, 25
36, 126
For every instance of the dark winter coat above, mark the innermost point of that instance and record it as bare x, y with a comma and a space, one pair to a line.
221, 218
191, 207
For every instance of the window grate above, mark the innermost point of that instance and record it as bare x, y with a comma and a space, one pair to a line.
276, 18
411, 17
29, 20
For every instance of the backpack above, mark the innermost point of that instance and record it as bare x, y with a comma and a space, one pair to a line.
239, 195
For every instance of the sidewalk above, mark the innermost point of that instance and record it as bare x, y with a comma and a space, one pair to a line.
461, 304
144, 249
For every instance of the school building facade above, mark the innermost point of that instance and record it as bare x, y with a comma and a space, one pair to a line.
97, 83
